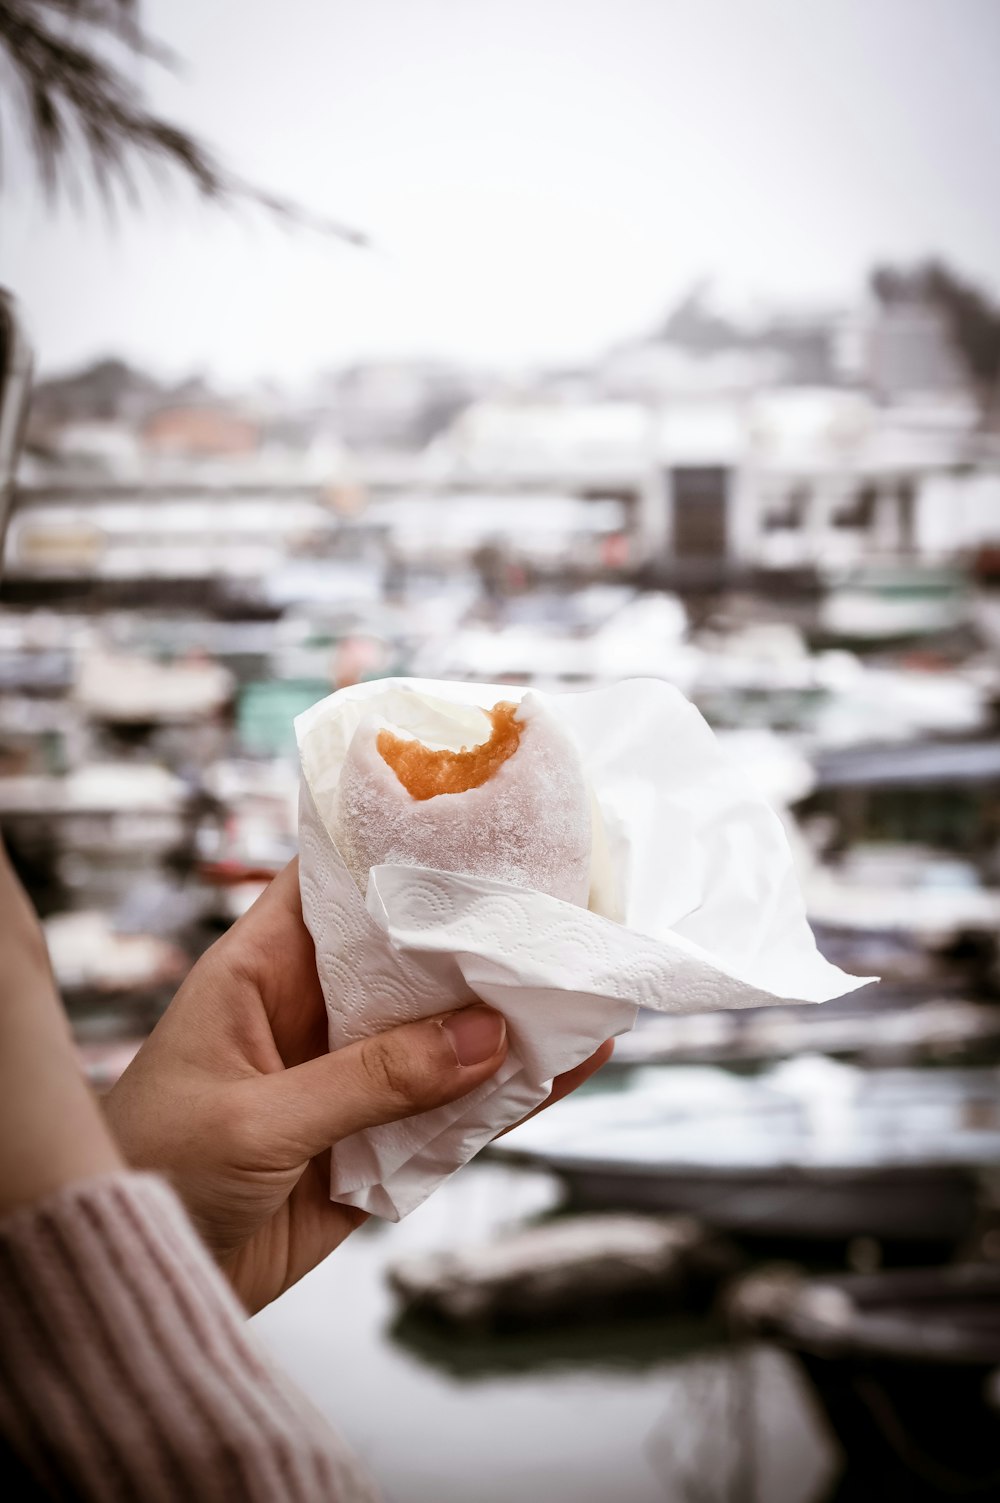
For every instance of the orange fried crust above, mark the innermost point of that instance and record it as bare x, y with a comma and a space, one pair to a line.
424, 773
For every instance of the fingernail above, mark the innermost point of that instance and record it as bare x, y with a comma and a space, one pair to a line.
475, 1034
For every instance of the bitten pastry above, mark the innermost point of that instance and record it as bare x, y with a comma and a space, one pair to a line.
515, 807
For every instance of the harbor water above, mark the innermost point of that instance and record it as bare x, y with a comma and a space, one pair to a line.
662, 1411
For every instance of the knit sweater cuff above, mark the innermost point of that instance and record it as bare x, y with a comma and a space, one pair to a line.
126, 1370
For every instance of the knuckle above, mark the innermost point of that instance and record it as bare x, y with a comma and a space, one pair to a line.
389, 1071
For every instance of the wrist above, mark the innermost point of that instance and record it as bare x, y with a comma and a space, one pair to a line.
60, 1137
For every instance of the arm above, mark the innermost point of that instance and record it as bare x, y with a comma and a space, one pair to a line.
50, 1131
129, 1370
126, 1369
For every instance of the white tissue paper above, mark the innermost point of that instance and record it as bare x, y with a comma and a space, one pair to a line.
689, 859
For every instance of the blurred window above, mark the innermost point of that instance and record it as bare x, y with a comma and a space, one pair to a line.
787, 513
907, 514
858, 511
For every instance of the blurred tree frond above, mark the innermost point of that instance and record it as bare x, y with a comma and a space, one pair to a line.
972, 315
80, 106
118, 18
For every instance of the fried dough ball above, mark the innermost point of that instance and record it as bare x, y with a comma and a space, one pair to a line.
515, 808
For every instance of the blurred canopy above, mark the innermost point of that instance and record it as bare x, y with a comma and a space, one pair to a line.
68, 60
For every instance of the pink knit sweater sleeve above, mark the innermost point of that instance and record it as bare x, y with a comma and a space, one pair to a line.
127, 1371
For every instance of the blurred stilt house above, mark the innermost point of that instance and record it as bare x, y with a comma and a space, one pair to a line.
803, 446
791, 450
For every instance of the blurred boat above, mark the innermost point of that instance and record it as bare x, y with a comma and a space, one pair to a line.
96, 791
266, 710
895, 602
249, 834
932, 1032
922, 919
566, 1269
641, 637
811, 1149
873, 707
114, 984
97, 829
909, 832
129, 689
89, 953
913, 767
930, 894
905, 1366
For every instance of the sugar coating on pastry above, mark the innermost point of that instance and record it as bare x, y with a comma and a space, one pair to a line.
515, 807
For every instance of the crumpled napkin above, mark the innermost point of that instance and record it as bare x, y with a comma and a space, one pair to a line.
710, 912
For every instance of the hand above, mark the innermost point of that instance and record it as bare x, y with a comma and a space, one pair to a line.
51, 1131
236, 1098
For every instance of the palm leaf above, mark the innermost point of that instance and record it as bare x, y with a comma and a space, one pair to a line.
80, 107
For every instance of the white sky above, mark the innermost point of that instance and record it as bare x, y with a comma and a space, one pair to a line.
545, 176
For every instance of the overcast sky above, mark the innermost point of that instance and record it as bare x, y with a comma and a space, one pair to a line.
544, 176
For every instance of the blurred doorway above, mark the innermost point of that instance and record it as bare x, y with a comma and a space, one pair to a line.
700, 500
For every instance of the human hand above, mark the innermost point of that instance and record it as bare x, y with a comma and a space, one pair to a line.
236, 1098
51, 1131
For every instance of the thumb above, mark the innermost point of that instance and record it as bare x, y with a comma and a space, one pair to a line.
394, 1074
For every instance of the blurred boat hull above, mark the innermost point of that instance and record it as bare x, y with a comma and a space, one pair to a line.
901, 1363
932, 1206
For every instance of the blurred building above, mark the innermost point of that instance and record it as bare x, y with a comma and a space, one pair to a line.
784, 478
199, 431
716, 447
101, 540
392, 405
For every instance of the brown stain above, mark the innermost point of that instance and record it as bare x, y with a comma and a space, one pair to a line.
425, 772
